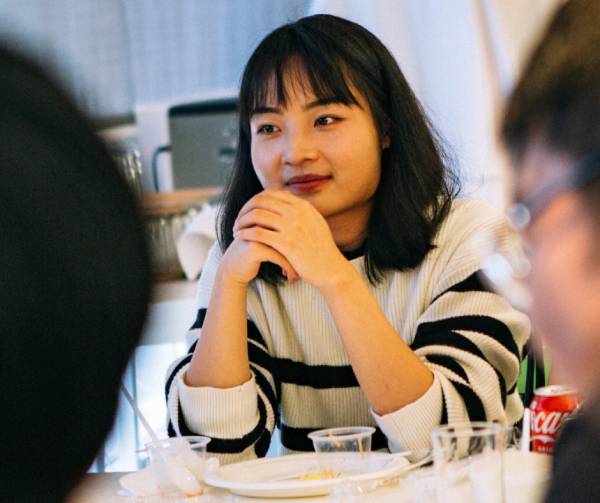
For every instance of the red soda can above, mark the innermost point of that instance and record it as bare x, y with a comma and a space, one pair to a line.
550, 407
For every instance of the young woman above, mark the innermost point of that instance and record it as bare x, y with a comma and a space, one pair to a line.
343, 290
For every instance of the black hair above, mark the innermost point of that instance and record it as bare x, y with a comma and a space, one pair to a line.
557, 97
416, 187
74, 290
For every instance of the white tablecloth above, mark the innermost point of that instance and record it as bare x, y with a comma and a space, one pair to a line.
526, 476
104, 488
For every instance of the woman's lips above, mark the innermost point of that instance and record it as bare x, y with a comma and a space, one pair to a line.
306, 183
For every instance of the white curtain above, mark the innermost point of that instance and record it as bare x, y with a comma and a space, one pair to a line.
83, 44
114, 55
461, 57
183, 47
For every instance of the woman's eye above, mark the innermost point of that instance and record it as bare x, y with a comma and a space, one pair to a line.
266, 129
326, 120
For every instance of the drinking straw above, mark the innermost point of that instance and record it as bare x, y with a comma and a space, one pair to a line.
140, 416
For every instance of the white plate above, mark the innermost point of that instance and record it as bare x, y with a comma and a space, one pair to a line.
264, 477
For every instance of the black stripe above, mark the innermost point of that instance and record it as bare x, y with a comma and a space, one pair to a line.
262, 445
476, 323
193, 347
471, 284
267, 389
513, 388
448, 338
199, 319
502, 383
254, 334
448, 363
459, 342
183, 427
315, 376
472, 402
260, 357
444, 416
170, 429
186, 359
297, 439
236, 445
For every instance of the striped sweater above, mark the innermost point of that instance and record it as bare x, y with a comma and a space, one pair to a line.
470, 338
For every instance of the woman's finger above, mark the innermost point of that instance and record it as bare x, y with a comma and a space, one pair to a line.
270, 200
271, 255
260, 217
259, 235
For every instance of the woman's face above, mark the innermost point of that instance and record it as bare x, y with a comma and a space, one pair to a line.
325, 152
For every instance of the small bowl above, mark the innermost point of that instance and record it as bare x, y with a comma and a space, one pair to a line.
343, 451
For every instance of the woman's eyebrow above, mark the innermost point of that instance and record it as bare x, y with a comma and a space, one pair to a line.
265, 110
322, 102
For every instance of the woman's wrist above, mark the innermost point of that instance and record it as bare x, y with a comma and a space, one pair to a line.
228, 280
338, 279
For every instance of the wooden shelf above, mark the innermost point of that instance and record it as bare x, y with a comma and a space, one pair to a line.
159, 203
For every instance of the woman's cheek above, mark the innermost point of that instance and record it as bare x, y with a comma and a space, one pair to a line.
265, 166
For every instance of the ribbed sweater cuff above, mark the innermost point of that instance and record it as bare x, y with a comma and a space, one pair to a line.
219, 413
409, 428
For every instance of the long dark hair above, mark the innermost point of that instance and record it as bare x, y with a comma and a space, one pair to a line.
416, 187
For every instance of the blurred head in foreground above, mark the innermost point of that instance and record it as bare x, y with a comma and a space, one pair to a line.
552, 129
74, 288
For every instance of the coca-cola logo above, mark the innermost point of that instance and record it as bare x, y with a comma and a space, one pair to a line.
547, 423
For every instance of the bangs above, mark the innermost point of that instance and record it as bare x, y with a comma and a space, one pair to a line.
287, 62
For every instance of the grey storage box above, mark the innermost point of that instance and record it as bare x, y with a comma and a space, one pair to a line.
203, 142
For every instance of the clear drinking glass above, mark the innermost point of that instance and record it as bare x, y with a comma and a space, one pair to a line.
343, 451
468, 462
129, 161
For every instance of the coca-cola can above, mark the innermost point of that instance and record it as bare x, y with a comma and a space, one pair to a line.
550, 408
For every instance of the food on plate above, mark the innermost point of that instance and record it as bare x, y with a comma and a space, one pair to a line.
323, 474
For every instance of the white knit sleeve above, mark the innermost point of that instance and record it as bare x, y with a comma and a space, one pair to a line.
239, 420
409, 428
469, 337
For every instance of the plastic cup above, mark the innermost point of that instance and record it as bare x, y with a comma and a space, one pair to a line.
185, 457
343, 451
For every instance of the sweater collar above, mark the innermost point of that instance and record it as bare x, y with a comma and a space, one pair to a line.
352, 254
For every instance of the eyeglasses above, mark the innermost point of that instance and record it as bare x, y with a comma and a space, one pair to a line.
524, 211
507, 263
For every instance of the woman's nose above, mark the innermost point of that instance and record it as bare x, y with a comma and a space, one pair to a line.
299, 146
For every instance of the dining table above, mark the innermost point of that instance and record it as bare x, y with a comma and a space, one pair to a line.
105, 488
526, 478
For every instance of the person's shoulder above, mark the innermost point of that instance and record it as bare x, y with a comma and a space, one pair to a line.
468, 216
577, 452
465, 210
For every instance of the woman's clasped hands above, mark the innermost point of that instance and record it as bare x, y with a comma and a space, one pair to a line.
279, 227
